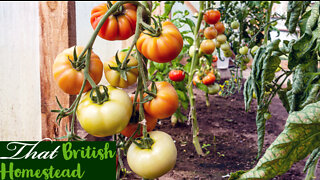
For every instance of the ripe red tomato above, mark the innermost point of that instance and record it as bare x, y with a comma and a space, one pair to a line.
176, 75
119, 26
209, 79
212, 16
207, 46
210, 32
219, 27
214, 58
164, 48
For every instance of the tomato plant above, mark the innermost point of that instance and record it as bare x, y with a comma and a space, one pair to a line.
67, 70
155, 162
119, 26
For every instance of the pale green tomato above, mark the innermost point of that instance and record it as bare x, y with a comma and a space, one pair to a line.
225, 47
155, 162
254, 49
243, 50
217, 44
213, 88
191, 52
108, 118
227, 53
235, 25
267, 116
221, 38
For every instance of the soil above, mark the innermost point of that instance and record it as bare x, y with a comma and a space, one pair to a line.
231, 138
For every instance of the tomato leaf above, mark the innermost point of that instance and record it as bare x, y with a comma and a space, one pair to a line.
302, 50
299, 138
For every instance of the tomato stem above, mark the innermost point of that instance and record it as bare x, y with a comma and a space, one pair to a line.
194, 62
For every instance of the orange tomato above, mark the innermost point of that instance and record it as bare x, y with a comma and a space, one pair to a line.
209, 79
219, 27
165, 103
214, 58
164, 48
210, 32
114, 78
207, 46
212, 16
132, 127
69, 79
119, 26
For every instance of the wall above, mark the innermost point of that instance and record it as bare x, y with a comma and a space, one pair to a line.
20, 116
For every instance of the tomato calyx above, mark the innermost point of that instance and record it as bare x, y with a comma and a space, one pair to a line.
144, 143
150, 93
122, 68
99, 97
154, 32
78, 63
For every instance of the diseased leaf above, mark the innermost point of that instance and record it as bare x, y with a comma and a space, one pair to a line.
299, 138
314, 156
302, 50
248, 92
293, 13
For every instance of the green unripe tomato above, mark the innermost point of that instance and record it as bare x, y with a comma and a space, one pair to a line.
253, 21
225, 47
243, 50
213, 88
227, 53
246, 60
243, 67
221, 38
267, 116
254, 49
191, 52
250, 32
217, 44
235, 25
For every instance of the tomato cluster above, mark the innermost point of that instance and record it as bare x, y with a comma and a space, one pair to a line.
109, 110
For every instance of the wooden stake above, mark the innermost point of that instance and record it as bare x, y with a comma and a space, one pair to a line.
57, 32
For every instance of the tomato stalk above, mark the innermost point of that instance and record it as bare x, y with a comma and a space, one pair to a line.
207, 100
266, 29
195, 59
